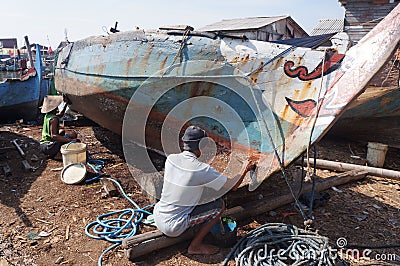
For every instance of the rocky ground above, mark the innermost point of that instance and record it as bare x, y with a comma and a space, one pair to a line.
43, 220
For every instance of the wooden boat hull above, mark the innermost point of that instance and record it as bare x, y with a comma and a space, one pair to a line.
26, 106
20, 96
373, 117
271, 100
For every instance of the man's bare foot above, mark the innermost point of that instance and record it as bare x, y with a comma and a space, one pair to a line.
203, 249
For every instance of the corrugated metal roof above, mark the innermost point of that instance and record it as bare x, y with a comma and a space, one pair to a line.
241, 23
326, 26
309, 42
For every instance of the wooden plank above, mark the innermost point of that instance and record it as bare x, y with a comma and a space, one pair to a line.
109, 187
157, 243
126, 242
154, 240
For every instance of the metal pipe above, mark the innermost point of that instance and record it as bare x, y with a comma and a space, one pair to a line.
21, 152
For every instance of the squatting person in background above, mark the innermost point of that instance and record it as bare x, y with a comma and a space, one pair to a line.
52, 137
185, 179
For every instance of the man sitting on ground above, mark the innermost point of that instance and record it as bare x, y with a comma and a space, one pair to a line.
52, 136
185, 180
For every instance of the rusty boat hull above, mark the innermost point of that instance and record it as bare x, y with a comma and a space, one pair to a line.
285, 97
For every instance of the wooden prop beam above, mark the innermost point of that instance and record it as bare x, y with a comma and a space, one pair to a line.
338, 166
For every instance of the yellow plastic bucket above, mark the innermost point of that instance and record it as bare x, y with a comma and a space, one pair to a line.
73, 153
376, 153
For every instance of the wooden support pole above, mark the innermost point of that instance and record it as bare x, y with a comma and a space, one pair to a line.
256, 208
28, 47
145, 243
338, 166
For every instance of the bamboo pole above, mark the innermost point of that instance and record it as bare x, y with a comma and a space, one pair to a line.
339, 166
147, 242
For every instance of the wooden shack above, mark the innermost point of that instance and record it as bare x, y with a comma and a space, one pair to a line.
8, 46
360, 17
375, 114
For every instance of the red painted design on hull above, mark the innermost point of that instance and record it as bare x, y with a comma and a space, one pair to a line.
332, 62
303, 108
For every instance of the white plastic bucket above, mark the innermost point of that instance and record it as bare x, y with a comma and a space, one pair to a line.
73, 153
376, 153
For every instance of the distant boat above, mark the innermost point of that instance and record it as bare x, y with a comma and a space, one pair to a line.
285, 97
375, 114
373, 117
22, 92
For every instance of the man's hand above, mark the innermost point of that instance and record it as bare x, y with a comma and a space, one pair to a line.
248, 165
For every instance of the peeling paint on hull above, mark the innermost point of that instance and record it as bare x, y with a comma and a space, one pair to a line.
298, 92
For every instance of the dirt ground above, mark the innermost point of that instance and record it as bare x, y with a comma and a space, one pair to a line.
43, 220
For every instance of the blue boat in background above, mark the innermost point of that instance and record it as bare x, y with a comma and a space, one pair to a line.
21, 93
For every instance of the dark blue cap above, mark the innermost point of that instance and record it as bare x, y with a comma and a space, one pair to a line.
192, 137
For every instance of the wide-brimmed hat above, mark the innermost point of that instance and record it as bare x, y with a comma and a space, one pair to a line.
51, 102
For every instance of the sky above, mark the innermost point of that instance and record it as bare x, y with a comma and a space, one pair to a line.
47, 21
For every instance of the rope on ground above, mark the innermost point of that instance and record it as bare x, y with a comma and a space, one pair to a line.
97, 166
116, 225
281, 244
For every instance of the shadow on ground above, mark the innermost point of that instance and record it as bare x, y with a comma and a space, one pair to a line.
15, 186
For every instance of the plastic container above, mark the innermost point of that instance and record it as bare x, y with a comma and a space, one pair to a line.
376, 153
224, 232
73, 153
74, 173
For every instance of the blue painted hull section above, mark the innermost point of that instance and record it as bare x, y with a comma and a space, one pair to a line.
21, 98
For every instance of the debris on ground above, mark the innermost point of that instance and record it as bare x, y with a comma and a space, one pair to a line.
43, 219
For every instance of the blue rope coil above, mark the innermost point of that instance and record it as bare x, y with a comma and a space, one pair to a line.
116, 225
